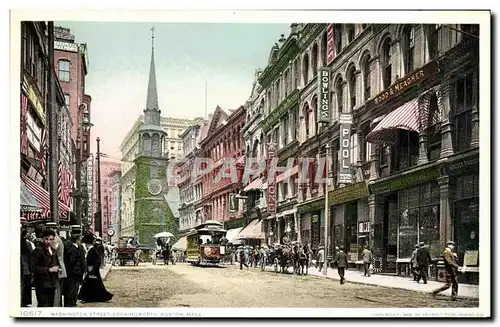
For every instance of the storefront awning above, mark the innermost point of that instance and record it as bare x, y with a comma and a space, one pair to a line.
255, 185
286, 213
404, 117
414, 115
232, 234
43, 198
252, 231
181, 244
28, 201
287, 174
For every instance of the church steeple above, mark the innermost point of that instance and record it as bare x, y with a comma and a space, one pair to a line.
152, 95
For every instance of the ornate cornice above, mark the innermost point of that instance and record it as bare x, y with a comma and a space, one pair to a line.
309, 33
287, 53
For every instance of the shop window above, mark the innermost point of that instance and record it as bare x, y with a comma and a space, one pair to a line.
462, 120
466, 228
407, 149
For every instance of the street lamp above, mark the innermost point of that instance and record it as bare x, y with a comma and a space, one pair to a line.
327, 184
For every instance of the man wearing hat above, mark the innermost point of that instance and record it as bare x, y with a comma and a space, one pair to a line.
59, 246
423, 260
321, 258
75, 266
414, 263
342, 263
451, 268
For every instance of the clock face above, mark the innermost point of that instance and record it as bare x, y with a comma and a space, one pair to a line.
154, 187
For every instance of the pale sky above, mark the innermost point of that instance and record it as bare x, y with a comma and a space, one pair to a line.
186, 55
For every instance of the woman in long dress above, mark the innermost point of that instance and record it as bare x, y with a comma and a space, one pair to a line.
93, 289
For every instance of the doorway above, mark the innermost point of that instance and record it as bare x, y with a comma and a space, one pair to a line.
390, 232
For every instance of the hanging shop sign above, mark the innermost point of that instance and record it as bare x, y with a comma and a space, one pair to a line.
324, 95
404, 181
349, 193
364, 227
345, 174
403, 84
35, 100
330, 44
233, 205
271, 186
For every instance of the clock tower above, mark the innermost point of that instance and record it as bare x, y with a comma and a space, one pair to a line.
151, 211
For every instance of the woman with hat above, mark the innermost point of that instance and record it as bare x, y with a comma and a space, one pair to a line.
93, 289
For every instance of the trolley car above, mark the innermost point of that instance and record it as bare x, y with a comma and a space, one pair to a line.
204, 244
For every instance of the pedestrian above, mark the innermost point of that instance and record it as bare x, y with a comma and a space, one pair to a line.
367, 260
75, 263
242, 258
46, 269
321, 258
423, 261
59, 248
414, 263
93, 289
26, 269
451, 268
342, 264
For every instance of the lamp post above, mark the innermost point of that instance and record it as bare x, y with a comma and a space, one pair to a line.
327, 184
98, 220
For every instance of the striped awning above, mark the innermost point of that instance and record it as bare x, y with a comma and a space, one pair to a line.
287, 174
43, 198
255, 185
413, 116
252, 231
28, 201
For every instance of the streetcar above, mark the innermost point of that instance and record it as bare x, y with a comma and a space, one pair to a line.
206, 244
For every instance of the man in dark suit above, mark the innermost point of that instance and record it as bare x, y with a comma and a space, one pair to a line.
423, 261
75, 268
342, 264
451, 267
46, 270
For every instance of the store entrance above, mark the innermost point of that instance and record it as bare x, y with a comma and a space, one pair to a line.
390, 241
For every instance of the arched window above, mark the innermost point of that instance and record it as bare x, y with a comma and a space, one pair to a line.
324, 49
339, 89
306, 120
314, 106
146, 141
278, 97
350, 32
386, 63
314, 59
305, 69
366, 77
351, 75
296, 73
409, 49
287, 83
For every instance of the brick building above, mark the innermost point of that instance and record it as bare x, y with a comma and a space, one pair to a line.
223, 140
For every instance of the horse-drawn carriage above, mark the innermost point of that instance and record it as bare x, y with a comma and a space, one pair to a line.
205, 244
126, 252
290, 254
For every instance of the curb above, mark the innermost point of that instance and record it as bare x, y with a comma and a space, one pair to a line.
392, 287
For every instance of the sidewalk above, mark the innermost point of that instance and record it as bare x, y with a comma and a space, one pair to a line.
104, 273
405, 283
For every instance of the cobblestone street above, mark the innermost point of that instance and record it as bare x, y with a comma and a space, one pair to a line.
187, 286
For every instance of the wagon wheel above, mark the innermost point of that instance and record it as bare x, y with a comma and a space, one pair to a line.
276, 265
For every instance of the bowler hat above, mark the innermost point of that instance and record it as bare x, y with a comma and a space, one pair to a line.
50, 225
450, 243
421, 244
75, 229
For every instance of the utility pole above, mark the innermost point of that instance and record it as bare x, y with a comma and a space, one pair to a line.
98, 222
327, 220
52, 126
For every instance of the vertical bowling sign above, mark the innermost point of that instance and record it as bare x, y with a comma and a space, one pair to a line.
345, 174
330, 44
271, 179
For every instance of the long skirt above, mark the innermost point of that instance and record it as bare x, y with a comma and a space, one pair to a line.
93, 289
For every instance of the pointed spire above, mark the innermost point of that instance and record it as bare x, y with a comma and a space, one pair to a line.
152, 98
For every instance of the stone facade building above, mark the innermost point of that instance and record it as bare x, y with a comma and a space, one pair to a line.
397, 106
